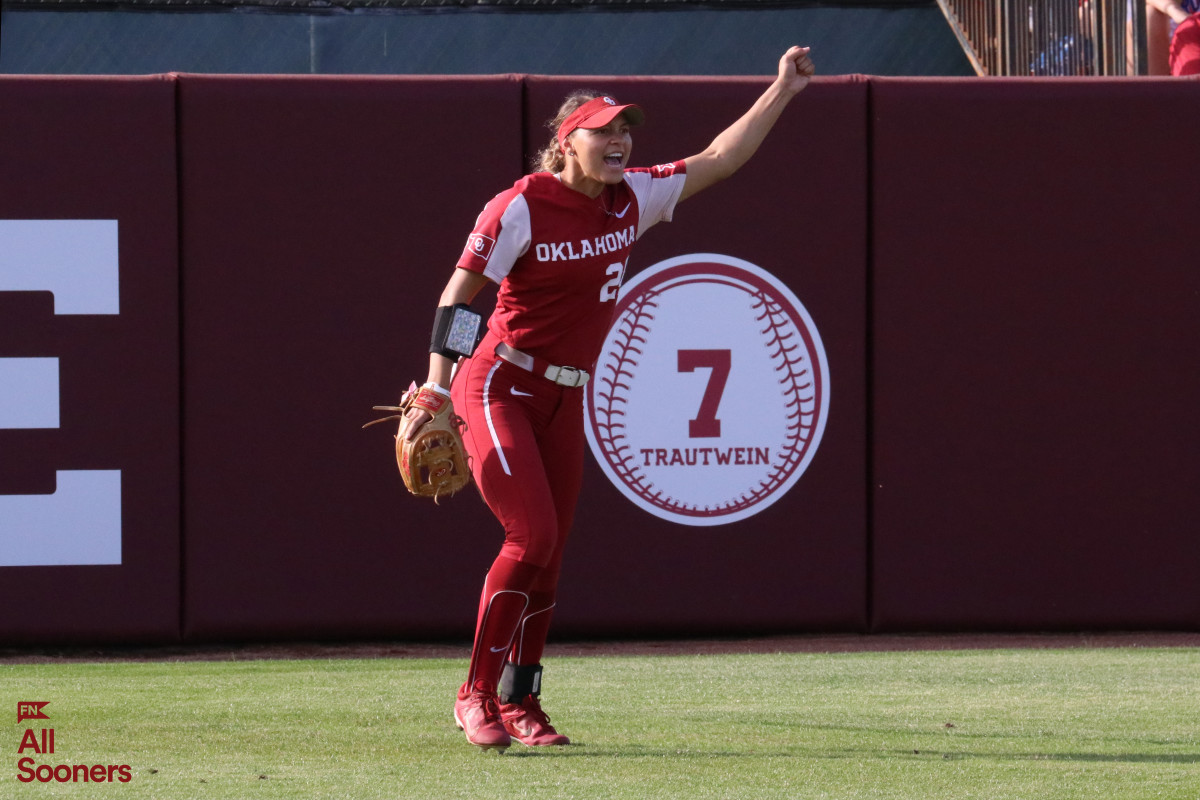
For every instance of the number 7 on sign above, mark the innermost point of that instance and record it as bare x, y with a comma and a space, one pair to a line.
706, 425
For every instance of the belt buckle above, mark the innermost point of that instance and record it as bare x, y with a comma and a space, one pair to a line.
574, 375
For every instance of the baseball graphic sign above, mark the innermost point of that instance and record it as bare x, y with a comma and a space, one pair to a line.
711, 392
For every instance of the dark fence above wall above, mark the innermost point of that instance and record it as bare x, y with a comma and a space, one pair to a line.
338, 6
473, 39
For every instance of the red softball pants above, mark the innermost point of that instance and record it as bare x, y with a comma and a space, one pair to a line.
526, 440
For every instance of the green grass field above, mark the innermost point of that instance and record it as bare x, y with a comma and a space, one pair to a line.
995, 724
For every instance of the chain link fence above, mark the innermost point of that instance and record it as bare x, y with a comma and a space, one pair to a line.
334, 6
430, 37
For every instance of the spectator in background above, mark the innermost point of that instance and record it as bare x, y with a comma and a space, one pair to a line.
1173, 31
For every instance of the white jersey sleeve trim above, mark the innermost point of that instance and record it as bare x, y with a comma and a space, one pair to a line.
513, 240
656, 197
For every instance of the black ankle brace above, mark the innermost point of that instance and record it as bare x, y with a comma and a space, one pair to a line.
519, 681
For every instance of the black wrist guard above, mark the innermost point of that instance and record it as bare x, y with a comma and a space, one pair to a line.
456, 331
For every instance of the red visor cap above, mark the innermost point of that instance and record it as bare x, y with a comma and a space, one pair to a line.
597, 113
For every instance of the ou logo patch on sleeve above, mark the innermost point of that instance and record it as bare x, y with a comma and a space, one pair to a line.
711, 392
480, 245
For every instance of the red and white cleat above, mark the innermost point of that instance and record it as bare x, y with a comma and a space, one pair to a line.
529, 725
477, 714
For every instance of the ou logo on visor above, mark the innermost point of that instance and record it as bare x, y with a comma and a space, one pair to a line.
80, 523
711, 392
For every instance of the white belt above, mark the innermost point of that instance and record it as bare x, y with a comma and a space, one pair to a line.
570, 377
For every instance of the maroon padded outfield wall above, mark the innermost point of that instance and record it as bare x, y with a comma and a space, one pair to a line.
320, 220
89, 361
313, 263
1037, 314
797, 211
926, 363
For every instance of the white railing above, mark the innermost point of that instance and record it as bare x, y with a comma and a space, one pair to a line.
1051, 37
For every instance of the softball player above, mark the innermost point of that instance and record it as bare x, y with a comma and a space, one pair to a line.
557, 243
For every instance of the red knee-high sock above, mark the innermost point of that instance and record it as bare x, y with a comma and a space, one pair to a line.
530, 640
501, 606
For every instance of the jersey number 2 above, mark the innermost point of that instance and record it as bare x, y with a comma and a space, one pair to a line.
612, 286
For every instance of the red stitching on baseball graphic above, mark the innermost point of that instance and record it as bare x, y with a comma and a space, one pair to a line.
799, 434
631, 326
786, 351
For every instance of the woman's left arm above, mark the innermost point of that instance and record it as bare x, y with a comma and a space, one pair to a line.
734, 146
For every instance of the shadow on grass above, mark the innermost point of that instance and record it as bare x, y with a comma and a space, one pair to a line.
1131, 758
981, 739
633, 750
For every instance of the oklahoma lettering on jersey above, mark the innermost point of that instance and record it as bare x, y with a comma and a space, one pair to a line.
566, 251
559, 257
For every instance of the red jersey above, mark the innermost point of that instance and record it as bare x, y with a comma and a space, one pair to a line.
559, 257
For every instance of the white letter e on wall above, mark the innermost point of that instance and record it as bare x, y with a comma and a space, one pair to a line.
80, 523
